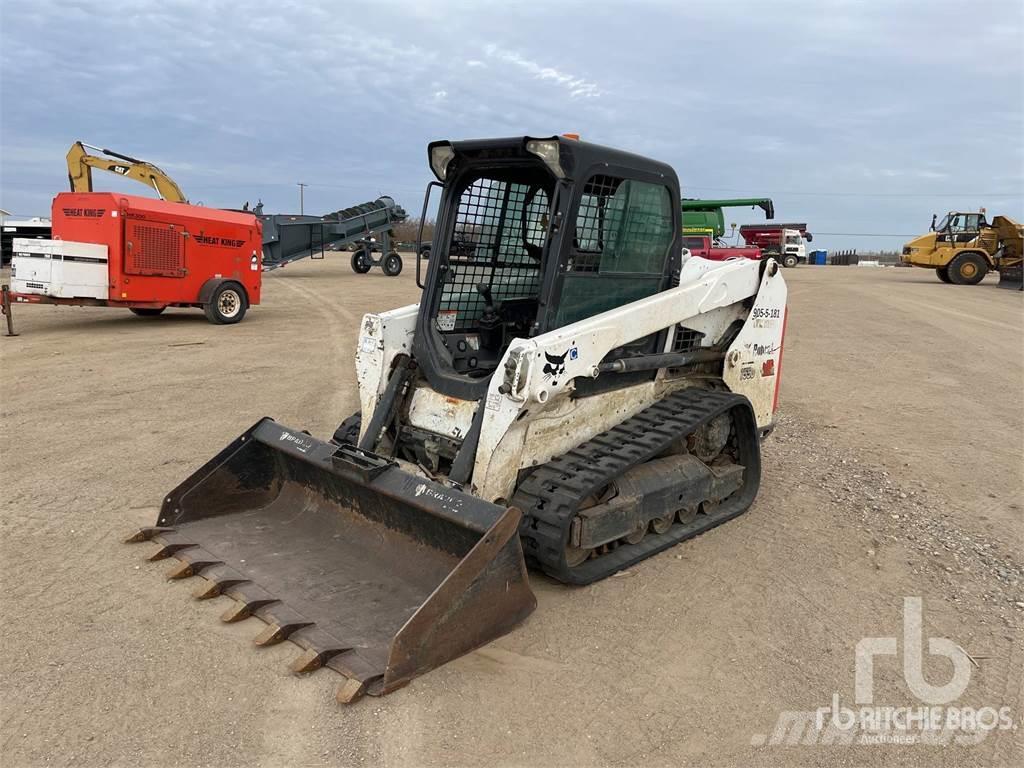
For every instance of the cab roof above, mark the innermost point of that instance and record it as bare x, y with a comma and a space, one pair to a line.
575, 157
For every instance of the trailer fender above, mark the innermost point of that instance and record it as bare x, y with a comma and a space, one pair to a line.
210, 286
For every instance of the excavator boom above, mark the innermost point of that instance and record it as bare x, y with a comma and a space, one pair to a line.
81, 163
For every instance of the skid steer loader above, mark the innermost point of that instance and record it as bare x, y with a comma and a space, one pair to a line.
574, 391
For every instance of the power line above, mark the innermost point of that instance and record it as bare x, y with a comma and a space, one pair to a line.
867, 194
861, 234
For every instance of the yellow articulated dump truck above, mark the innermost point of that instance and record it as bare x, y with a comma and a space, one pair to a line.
964, 247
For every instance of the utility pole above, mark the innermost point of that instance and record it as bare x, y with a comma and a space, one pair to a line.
302, 190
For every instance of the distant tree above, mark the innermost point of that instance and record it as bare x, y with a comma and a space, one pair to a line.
406, 231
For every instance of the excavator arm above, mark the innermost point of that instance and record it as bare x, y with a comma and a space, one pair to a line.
81, 163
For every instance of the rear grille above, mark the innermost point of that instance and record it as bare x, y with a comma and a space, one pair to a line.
686, 339
155, 250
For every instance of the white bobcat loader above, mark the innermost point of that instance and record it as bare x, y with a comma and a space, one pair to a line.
573, 392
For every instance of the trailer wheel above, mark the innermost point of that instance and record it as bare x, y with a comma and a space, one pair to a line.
967, 269
943, 273
392, 264
361, 262
789, 260
146, 311
227, 305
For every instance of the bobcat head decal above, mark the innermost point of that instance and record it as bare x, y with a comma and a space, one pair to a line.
555, 365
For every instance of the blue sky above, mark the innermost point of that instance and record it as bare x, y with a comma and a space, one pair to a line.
856, 117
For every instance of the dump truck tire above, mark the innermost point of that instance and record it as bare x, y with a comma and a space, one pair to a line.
392, 265
790, 261
943, 273
967, 269
227, 305
348, 430
361, 262
146, 311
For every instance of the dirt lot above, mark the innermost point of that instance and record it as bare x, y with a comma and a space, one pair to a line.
895, 472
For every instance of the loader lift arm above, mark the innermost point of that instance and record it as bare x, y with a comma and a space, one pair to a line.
81, 163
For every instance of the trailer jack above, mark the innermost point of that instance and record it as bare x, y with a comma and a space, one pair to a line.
5, 306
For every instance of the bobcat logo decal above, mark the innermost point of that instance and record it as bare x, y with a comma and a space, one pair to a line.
555, 365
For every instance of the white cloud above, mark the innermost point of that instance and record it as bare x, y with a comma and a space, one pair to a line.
243, 104
577, 87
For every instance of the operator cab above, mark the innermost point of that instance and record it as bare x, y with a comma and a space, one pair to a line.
959, 227
532, 235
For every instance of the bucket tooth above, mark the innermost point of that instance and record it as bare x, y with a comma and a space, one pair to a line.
193, 561
185, 570
350, 691
147, 533
310, 660
208, 588
282, 621
240, 610
215, 579
170, 544
168, 550
318, 647
273, 634
181, 571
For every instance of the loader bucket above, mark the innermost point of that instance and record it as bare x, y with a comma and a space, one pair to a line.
373, 571
1011, 276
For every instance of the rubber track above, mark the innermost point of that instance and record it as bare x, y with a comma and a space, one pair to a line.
553, 492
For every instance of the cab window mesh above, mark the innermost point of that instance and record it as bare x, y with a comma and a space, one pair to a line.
497, 240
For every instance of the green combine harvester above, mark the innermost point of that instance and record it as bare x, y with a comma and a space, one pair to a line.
706, 217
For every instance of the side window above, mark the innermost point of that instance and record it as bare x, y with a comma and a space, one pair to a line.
621, 239
972, 222
622, 227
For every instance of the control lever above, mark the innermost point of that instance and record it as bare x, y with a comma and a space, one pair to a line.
492, 330
485, 290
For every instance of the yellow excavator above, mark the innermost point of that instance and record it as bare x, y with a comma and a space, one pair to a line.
81, 163
964, 247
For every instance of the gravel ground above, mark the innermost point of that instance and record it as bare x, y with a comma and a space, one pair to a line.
895, 472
